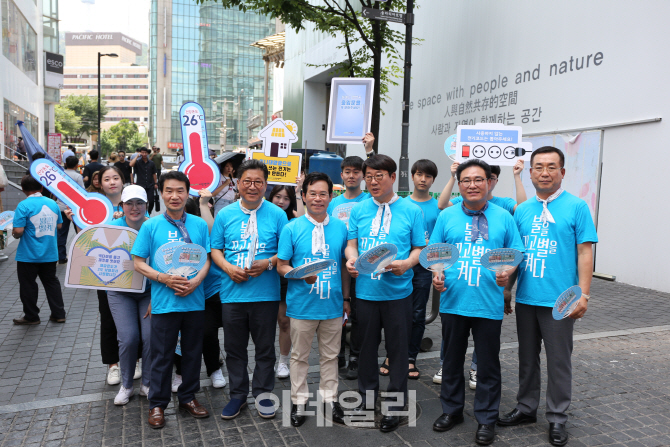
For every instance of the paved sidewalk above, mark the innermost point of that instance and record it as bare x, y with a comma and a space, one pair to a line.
52, 389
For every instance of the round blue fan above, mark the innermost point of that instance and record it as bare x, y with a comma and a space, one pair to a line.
309, 269
438, 257
501, 259
567, 302
376, 259
164, 254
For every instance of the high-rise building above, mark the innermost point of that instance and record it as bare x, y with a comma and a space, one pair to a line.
30, 69
202, 53
123, 85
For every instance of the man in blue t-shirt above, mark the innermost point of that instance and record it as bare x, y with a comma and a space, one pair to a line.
558, 232
424, 173
177, 303
384, 300
472, 298
340, 208
316, 303
36, 220
245, 239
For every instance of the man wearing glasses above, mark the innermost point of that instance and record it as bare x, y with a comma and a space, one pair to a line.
384, 300
472, 298
558, 232
250, 291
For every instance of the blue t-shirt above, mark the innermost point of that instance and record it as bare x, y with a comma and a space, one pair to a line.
550, 262
227, 232
503, 202
323, 299
339, 200
430, 212
156, 232
471, 289
406, 231
39, 217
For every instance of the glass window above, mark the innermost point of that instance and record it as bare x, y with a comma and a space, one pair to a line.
19, 40
13, 113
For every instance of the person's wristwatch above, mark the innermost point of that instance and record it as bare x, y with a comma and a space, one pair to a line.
270, 266
586, 296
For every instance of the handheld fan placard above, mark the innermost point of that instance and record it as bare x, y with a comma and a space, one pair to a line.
501, 259
450, 147
343, 211
310, 269
202, 172
88, 208
438, 257
189, 259
376, 259
567, 302
6, 219
165, 254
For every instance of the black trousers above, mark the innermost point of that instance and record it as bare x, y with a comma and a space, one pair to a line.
28, 273
486, 334
210, 341
260, 320
165, 330
150, 197
354, 339
62, 237
109, 344
395, 317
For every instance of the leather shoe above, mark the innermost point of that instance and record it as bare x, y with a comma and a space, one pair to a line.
336, 412
485, 434
23, 322
156, 418
447, 421
297, 415
557, 434
57, 320
196, 410
389, 423
515, 417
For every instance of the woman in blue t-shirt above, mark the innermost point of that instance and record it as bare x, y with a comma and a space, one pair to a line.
285, 198
130, 310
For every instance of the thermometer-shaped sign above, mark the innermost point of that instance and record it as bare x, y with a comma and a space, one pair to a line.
88, 208
202, 172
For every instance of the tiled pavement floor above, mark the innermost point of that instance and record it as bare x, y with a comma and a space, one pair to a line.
52, 389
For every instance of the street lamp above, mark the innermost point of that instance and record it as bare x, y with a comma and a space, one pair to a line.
99, 56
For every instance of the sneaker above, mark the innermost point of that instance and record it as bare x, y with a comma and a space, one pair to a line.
144, 391
124, 396
138, 371
114, 375
218, 381
176, 382
437, 378
473, 379
283, 371
266, 408
352, 370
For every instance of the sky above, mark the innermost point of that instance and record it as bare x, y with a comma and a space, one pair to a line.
130, 17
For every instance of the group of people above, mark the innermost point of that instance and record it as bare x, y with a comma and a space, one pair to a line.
250, 299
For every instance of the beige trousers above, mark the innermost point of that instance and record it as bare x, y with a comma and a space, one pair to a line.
328, 333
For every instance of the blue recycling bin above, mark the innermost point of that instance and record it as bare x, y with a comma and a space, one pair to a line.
328, 163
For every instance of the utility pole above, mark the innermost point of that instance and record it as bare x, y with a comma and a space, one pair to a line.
403, 182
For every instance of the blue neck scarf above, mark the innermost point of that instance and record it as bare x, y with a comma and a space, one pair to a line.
479, 222
180, 224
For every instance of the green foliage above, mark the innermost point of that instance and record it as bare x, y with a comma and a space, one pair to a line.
86, 109
67, 122
121, 136
107, 143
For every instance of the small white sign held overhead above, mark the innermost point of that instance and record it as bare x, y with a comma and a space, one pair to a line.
350, 111
496, 144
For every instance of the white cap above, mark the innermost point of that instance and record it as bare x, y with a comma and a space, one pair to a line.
133, 192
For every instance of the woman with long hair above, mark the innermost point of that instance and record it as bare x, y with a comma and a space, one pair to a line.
95, 183
224, 195
285, 198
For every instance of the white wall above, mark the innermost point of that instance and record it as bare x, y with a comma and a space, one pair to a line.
468, 42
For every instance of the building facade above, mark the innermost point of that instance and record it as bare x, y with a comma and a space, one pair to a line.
29, 47
202, 53
123, 85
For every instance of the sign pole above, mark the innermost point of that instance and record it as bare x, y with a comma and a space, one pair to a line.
403, 182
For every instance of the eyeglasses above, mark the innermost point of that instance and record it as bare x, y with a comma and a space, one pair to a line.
313, 195
478, 182
378, 177
257, 183
549, 169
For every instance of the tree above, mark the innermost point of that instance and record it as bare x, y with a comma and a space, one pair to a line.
366, 41
67, 122
86, 108
107, 143
123, 134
